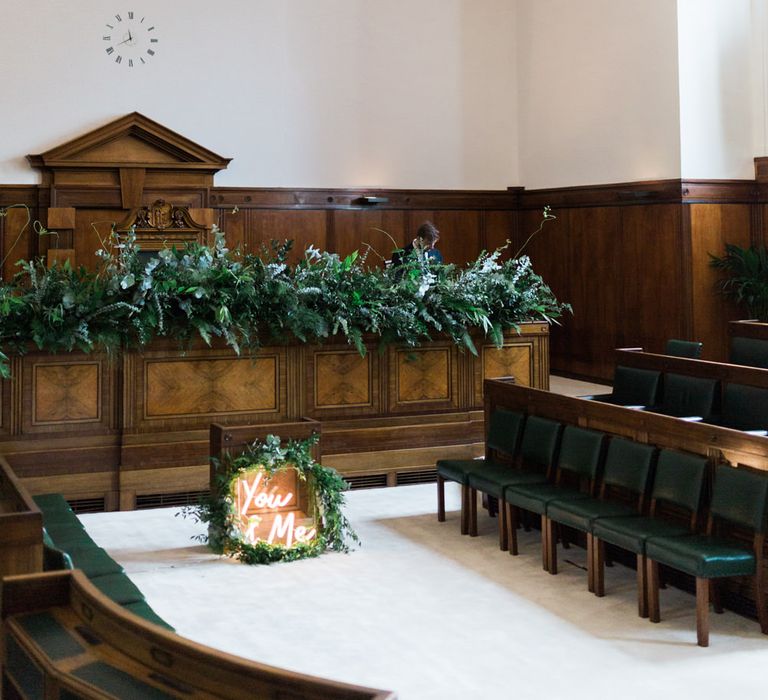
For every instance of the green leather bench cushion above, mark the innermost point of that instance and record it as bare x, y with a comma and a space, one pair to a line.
536, 497
496, 478
119, 588
54, 518
51, 502
460, 469
631, 533
51, 636
117, 683
702, 556
67, 536
583, 512
94, 561
143, 610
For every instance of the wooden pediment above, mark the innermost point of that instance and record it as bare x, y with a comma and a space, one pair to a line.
132, 141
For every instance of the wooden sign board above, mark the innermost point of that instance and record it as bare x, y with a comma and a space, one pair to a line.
273, 508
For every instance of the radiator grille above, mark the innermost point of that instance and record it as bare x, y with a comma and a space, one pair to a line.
366, 481
87, 505
425, 476
166, 500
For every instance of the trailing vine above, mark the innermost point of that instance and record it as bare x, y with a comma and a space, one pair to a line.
326, 490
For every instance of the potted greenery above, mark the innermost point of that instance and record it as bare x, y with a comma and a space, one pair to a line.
745, 278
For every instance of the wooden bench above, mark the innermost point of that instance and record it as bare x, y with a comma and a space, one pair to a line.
741, 396
749, 343
63, 638
714, 442
723, 448
21, 527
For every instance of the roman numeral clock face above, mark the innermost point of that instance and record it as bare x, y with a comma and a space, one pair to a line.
130, 39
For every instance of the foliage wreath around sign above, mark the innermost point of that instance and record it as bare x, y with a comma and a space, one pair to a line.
325, 491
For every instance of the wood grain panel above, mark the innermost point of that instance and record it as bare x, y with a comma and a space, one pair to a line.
342, 380
499, 227
712, 226
235, 226
92, 233
459, 233
17, 240
655, 302
66, 393
508, 361
424, 376
305, 228
179, 388
587, 337
358, 229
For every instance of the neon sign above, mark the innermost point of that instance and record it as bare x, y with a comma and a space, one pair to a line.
272, 508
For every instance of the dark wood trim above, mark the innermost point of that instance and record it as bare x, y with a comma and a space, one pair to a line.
642, 193
19, 194
335, 198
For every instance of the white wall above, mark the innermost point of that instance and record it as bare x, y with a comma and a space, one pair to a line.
716, 89
598, 91
305, 93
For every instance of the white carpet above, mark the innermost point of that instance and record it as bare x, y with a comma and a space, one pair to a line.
421, 610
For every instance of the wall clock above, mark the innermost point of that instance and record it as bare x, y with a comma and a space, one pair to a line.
130, 38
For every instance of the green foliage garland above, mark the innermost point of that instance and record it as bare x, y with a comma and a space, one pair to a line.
326, 488
247, 299
745, 278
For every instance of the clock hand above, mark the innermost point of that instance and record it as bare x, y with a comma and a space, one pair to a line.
126, 41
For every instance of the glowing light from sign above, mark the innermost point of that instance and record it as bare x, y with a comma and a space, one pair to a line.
268, 508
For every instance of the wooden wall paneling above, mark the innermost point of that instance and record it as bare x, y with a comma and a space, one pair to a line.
235, 225
712, 226
498, 228
595, 257
654, 295
304, 227
548, 251
354, 228
459, 233
19, 239
92, 231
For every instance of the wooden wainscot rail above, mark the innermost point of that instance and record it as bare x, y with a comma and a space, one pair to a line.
62, 636
134, 429
21, 527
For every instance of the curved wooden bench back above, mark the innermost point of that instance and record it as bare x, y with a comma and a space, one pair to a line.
103, 641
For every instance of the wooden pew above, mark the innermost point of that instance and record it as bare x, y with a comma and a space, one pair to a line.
62, 637
715, 442
724, 372
21, 527
718, 444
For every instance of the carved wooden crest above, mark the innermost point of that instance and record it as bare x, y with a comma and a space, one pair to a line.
161, 225
161, 215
